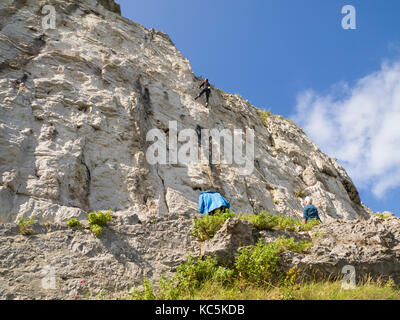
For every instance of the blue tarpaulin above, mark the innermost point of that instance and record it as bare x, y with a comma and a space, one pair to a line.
210, 200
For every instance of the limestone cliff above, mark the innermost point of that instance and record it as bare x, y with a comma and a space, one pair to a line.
76, 104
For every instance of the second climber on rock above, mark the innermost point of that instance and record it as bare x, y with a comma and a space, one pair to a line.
206, 89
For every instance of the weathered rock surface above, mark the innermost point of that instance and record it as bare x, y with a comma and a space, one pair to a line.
126, 254
372, 247
234, 234
114, 263
76, 104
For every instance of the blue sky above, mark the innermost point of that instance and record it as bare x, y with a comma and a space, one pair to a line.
294, 58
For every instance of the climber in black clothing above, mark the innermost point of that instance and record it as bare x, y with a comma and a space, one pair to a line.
206, 89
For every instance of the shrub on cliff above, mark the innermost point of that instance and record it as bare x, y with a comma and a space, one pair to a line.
269, 221
205, 228
260, 264
98, 220
25, 225
74, 223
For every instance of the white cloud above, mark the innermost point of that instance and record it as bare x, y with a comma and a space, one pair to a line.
360, 126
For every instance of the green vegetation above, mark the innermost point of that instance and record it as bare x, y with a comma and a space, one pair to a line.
269, 221
205, 228
25, 225
98, 220
300, 193
381, 215
286, 119
189, 277
259, 264
310, 225
264, 115
96, 229
74, 223
326, 290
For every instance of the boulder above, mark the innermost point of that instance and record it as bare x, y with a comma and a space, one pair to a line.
234, 234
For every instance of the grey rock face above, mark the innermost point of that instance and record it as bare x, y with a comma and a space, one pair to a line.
126, 254
372, 247
234, 234
84, 265
77, 103
111, 5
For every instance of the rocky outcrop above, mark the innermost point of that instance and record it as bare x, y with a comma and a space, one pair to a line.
77, 102
78, 263
236, 234
372, 247
111, 5
233, 235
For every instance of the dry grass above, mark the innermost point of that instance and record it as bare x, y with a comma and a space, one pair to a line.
309, 291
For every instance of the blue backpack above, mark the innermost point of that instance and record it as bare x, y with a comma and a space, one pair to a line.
210, 201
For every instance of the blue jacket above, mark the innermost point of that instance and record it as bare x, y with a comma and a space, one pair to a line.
210, 200
310, 212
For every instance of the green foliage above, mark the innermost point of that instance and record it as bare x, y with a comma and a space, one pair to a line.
286, 223
290, 284
264, 115
300, 193
260, 264
146, 294
381, 215
189, 277
25, 225
96, 229
269, 221
286, 119
194, 272
262, 221
310, 224
205, 228
74, 223
98, 220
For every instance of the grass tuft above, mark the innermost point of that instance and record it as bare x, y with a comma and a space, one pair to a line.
25, 225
